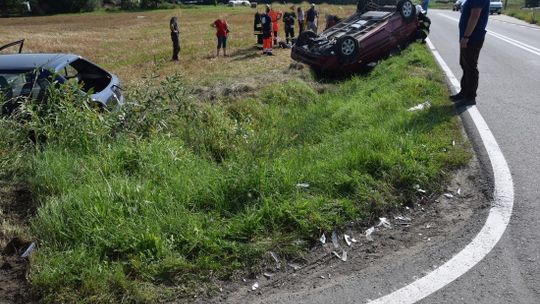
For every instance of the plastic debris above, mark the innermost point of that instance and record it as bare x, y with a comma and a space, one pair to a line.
302, 185
419, 107
369, 232
323, 239
244, 280
141, 17
417, 188
458, 191
295, 267
28, 250
448, 195
322, 277
255, 286
267, 275
384, 222
335, 240
402, 220
453, 142
276, 259
342, 257
348, 239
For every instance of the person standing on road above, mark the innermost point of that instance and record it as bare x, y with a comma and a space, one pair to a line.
175, 37
222, 31
301, 19
289, 18
312, 16
472, 31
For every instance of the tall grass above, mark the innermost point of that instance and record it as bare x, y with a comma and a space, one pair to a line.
154, 199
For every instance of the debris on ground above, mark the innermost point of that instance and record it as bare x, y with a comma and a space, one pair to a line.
302, 185
448, 195
422, 106
402, 220
255, 286
335, 240
295, 267
276, 259
348, 239
342, 257
29, 250
458, 191
384, 222
369, 232
417, 188
267, 275
323, 239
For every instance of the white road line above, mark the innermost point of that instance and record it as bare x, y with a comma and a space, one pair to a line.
532, 27
493, 229
519, 44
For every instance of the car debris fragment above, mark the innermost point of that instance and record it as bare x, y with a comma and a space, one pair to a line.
458, 191
448, 195
276, 259
348, 239
335, 240
295, 267
255, 286
402, 220
28, 250
369, 232
302, 185
419, 107
323, 239
342, 257
384, 222
267, 275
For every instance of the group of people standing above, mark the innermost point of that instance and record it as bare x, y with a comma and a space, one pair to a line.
266, 25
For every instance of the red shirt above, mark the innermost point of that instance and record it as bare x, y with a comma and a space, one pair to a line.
275, 16
221, 27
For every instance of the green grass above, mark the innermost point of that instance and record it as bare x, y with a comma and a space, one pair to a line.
514, 9
154, 201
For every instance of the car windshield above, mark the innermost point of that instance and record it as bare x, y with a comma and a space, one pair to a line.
21, 83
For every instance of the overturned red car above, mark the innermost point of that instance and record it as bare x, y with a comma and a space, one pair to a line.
358, 40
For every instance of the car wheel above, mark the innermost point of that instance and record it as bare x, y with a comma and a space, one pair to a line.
305, 37
347, 48
407, 10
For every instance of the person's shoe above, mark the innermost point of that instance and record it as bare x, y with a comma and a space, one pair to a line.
456, 97
465, 102
269, 54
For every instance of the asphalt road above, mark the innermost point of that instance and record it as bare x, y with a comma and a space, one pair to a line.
509, 101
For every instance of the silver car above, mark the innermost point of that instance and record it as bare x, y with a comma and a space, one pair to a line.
28, 75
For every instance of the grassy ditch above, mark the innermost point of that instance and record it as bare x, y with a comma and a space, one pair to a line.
515, 9
171, 193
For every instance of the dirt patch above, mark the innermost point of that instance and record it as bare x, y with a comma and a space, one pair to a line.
434, 219
16, 208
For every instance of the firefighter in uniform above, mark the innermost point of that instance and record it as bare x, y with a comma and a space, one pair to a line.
257, 29
266, 22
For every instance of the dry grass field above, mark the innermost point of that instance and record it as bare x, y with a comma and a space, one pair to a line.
137, 44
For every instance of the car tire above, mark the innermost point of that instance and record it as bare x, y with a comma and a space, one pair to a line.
347, 48
407, 10
305, 37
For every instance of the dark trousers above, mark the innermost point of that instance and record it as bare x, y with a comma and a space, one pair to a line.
468, 60
289, 33
176, 46
300, 27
